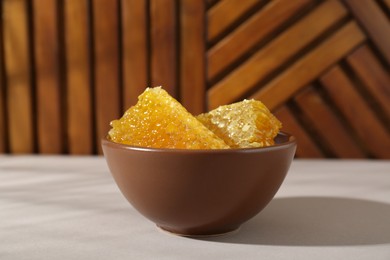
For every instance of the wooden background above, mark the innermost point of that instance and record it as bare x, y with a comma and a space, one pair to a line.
68, 67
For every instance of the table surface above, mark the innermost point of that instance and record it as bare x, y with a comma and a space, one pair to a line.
70, 208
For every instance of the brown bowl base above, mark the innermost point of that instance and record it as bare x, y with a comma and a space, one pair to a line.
177, 233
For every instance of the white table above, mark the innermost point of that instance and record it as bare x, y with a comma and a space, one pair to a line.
70, 208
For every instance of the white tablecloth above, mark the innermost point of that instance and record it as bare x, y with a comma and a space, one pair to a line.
70, 208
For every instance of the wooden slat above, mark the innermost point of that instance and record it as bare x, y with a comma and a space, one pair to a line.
3, 123
375, 22
250, 33
106, 74
276, 53
192, 56
306, 148
233, 9
18, 69
46, 49
135, 50
163, 45
211, 2
374, 76
327, 124
311, 66
387, 3
359, 115
78, 77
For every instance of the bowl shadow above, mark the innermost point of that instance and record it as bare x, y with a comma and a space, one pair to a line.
316, 221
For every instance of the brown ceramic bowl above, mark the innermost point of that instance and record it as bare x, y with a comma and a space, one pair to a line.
199, 192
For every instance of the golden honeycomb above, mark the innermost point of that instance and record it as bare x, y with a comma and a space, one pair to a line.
245, 124
159, 121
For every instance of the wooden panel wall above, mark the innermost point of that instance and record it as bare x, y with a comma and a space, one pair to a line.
69, 68
321, 66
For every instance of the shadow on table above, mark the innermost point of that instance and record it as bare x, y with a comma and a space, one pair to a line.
316, 221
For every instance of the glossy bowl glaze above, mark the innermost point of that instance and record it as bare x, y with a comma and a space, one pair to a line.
199, 192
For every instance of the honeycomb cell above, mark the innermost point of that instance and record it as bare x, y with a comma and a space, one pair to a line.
244, 124
159, 121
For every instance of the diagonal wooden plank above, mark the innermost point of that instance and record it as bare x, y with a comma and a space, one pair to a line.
276, 53
78, 78
135, 50
211, 2
374, 76
249, 33
18, 71
387, 3
375, 22
217, 15
192, 55
327, 124
164, 45
306, 148
358, 113
310, 66
48, 88
106, 75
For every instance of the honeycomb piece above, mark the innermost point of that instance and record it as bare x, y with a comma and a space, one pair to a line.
245, 124
159, 121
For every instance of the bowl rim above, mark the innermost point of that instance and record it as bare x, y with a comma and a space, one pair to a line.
105, 141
